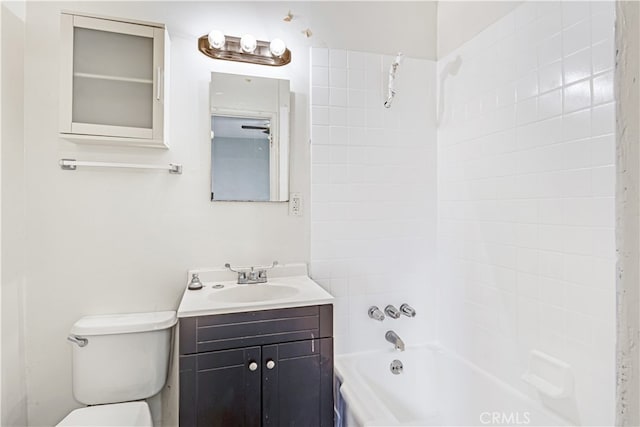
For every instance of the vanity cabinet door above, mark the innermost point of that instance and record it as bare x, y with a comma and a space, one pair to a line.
221, 388
297, 383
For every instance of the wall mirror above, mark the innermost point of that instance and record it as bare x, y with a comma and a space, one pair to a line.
249, 138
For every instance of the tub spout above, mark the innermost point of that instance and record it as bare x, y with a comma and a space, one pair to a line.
394, 339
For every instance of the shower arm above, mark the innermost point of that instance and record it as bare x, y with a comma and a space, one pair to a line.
393, 69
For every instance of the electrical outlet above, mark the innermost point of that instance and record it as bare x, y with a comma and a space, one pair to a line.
295, 204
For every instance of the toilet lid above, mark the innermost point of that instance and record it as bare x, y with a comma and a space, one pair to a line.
130, 414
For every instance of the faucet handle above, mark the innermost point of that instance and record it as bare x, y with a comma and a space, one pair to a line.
391, 311
237, 270
375, 313
273, 264
240, 269
407, 310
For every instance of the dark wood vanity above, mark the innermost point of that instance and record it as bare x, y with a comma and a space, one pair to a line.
258, 368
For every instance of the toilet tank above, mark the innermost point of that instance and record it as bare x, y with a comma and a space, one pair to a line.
126, 356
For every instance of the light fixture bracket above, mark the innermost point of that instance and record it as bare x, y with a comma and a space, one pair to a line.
233, 52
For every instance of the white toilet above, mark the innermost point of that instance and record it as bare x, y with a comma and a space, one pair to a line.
118, 360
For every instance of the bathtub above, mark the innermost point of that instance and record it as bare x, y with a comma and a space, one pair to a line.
435, 388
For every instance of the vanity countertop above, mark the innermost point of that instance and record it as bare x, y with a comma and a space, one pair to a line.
288, 286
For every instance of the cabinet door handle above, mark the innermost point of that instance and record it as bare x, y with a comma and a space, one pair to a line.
253, 366
271, 364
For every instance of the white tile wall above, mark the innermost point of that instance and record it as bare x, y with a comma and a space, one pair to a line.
373, 212
526, 199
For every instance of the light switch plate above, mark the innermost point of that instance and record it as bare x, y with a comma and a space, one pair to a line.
295, 204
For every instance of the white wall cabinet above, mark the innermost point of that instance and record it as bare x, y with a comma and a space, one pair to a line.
114, 81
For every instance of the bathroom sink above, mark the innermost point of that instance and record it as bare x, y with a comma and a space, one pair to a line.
254, 293
288, 285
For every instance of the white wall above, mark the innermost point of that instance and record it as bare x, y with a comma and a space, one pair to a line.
108, 241
1, 376
460, 21
386, 27
12, 244
373, 211
526, 199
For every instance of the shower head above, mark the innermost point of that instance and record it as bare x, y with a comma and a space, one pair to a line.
392, 76
453, 67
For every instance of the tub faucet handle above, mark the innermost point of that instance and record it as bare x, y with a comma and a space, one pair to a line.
407, 310
391, 311
375, 313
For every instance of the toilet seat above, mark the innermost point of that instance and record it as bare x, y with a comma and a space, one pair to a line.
130, 414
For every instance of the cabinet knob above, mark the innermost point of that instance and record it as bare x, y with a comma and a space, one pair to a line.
271, 364
253, 366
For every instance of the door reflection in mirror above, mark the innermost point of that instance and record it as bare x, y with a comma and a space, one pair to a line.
240, 158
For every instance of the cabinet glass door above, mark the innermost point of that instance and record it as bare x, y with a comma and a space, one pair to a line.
112, 78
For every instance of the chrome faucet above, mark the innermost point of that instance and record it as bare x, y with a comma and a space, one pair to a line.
394, 339
251, 275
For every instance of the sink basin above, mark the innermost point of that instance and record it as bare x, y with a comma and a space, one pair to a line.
254, 293
289, 286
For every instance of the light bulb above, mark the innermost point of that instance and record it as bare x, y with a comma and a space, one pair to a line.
216, 39
277, 47
248, 43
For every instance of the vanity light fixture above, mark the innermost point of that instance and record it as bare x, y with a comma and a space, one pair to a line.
216, 45
248, 43
216, 39
277, 47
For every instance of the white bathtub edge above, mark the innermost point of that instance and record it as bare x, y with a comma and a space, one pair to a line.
364, 403
372, 407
